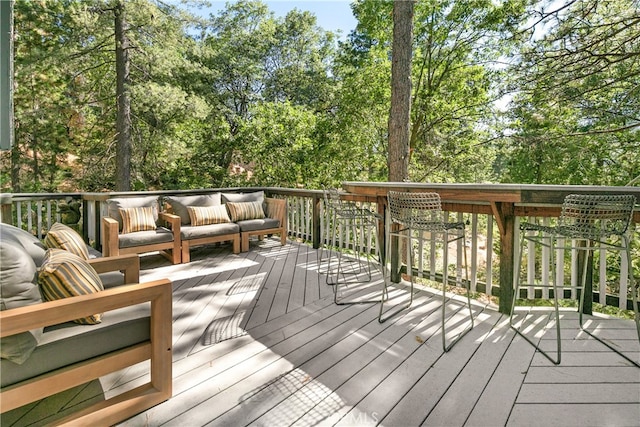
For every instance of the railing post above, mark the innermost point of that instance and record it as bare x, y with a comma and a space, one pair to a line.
6, 204
504, 213
85, 219
315, 221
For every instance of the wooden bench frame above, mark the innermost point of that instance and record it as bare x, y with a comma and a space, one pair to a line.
118, 408
188, 244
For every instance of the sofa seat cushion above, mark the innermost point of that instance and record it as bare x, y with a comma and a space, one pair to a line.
179, 204
190, 232
142, 238
68, 343
258, 224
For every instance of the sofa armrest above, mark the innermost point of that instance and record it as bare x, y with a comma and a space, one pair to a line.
277, 209
173, 223
110, 233
119, 407
22, 319
128, 264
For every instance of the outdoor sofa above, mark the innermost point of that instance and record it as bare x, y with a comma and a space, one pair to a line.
190, 220
102, 326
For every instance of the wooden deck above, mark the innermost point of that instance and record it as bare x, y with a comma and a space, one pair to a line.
259, 341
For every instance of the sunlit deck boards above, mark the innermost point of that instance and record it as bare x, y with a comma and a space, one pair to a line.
258, 340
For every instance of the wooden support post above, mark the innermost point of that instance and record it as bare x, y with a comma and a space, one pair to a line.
505, 217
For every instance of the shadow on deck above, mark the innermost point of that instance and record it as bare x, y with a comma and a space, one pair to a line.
258, 340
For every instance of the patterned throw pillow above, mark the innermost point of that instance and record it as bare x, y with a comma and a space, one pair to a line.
205, 215
63, 237
179, 204
63, 275
137, 219
245, 210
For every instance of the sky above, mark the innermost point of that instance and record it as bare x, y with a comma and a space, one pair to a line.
332, 15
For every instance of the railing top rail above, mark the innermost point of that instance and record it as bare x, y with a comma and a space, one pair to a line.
513, 193
22, 197
101, 196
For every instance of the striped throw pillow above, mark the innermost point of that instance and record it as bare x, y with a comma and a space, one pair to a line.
205, 215
63, 237
137, 219
64, 275
245, 210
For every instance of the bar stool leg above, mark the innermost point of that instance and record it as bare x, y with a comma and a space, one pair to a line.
385, 290
359, 225
625, 247
553, 247
445, 279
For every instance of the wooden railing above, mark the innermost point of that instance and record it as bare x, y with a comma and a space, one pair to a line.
492, 213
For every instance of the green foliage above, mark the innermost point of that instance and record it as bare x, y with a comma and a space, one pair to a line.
247, 98
574, 117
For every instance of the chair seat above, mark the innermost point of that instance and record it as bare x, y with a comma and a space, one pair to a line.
436, 226
142, 238
573, 231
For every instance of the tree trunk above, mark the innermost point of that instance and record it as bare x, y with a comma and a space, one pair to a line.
123, 120
16, 157
400, 112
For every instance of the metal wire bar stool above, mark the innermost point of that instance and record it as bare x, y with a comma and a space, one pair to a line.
357, 221
586, 223
422, 213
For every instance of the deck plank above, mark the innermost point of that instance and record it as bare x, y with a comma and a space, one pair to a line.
259, 341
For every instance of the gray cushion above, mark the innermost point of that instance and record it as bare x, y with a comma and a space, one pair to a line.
34, 247
18, 288
257, 196
68, 343
258, 224
179, 204
93, 252
142, 238
114, 205
195, 232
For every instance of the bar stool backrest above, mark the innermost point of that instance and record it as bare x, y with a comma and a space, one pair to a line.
340, 207
596, 216
420, 210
